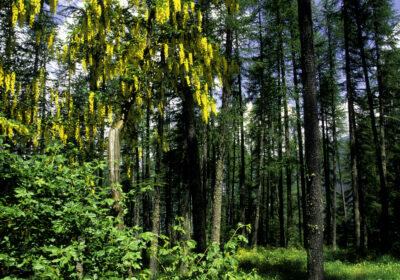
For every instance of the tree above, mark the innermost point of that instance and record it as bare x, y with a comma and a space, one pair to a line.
312, 145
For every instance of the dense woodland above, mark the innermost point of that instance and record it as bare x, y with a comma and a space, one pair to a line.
153, 138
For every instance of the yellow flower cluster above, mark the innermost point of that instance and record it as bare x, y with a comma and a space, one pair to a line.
162, 12
110, 114
166, 51
9, 127
7, 80
91, 102
38, 132
181, 54
177, 5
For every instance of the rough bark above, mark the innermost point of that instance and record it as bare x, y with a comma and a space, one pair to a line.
312, 145
352, 126
157, 194
260, 170
113, 166
384, 197
242, 170
217, 202
299, 136
327, 181
192, 176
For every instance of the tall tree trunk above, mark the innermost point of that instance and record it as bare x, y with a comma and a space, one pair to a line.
327, 182
260, 170
299, 135
136, 208
157, 194
217, 202
242, 170
289, 219
352, 125
343, 199
192, 176
312, 145
384, 197
146, 197
232, 198
331, 87
113, 165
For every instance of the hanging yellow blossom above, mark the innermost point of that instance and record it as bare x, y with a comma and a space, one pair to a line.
177, 5
91, 102
166, 51
214, 108
15, 12
84, 65
181, 54
110, 114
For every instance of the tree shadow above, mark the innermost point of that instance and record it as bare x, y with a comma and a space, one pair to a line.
285, 269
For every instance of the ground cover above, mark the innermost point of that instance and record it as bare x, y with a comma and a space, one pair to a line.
279, 263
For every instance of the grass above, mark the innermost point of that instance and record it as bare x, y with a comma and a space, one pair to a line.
278, 263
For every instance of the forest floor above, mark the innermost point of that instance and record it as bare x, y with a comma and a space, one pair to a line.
278, 263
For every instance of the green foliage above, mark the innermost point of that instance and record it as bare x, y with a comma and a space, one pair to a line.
178, 261
55, 217
56, 221
279, 263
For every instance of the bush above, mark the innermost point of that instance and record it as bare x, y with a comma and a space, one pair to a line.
56, 221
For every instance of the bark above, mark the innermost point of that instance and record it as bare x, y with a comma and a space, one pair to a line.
343, 199
217, 202
260, 185
192, 176
352, 126
384, 197
334, 177
289, 219
232, 198
242, 170
136, 208
260, 170
312, 145
299, 137
113, 165
326, 174
146, 196
157, 194
333, 113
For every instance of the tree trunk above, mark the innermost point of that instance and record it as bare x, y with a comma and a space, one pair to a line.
192, 176
289, 219
352, 126
312, 145
384, 197
299, 136
217, 202
242, 171
343, 199
157, 183
113, 165
327, 182
384, 193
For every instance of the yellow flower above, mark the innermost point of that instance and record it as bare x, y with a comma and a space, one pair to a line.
181, 54
177, 5
214, 108
91, 102
14, 14
166, 51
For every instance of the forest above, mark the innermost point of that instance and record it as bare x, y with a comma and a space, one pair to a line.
199, 139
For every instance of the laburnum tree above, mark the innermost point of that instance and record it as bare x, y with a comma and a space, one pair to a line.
132, 53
